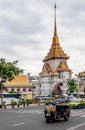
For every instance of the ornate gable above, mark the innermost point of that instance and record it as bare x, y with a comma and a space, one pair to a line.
63, 67
46, 69
81, 74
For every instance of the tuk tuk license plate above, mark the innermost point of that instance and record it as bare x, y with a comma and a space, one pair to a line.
47, 114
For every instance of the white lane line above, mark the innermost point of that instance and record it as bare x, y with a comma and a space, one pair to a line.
82, 116
74, 112
18, 124
78, 114
31, 111
72, 128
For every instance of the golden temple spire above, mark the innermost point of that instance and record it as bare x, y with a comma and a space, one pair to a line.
56, 50
55, 31
55, 37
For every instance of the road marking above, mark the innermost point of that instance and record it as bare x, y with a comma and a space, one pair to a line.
78, 114
77, 111
72, 128
18, 124
29, 111
82, 116
73, 113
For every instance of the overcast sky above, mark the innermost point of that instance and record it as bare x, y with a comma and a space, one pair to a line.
26, 31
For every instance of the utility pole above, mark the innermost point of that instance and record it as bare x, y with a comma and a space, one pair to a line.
1, 89
1, 95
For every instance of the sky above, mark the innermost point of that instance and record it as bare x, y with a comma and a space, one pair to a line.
26, 31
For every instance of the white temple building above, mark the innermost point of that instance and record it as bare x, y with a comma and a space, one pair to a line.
55, 68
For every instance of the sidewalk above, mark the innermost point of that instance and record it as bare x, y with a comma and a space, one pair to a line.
21, 106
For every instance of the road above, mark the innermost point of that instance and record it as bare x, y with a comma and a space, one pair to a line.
32, 118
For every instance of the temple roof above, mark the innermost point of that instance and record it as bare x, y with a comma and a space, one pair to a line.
46, 70
81, 74
20, 80
55, 50
63, 67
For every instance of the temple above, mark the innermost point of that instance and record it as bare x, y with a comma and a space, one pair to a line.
55, 69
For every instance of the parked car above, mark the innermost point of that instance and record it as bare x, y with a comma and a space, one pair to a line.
77, 103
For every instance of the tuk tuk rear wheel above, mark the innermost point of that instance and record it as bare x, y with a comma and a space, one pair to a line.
47, 120
66, 117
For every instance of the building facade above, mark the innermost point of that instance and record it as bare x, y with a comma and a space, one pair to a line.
55, 68
36, 86
20, 84
81, 81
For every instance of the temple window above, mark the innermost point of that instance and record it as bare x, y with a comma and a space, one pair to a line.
18, 89
30, 89
24, 89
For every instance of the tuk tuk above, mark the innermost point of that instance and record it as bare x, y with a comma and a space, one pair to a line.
55, 110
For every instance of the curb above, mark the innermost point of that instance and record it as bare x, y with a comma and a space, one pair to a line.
30, 105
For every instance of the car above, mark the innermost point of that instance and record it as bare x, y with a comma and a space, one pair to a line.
77, 103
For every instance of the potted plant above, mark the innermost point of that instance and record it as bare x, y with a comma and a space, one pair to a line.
13, 103
23, 102
27, 102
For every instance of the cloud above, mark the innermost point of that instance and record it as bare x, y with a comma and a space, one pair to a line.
26, 30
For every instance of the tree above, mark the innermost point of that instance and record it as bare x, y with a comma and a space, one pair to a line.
8, 70
72, 85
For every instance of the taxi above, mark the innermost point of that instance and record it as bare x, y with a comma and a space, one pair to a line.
77, 103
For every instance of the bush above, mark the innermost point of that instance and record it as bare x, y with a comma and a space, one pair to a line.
27, 102
13, 103
23, 102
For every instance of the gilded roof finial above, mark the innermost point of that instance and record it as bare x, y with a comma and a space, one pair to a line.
55, 31
56, 50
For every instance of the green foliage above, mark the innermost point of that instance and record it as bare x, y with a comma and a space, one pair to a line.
8, 70
20, 102
14, 92
23, 102
72, 85
13, 103
27, 101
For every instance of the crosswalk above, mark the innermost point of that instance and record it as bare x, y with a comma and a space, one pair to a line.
27, 111
32, 111
73, 113
78, 113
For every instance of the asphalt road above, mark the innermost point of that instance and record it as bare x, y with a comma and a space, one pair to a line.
32, 118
